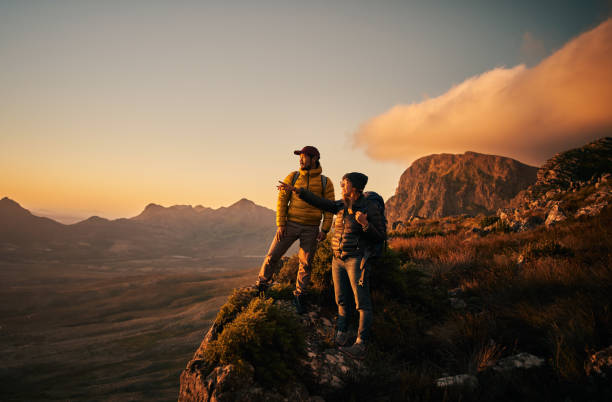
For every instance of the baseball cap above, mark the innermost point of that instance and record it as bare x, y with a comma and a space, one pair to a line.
308, 150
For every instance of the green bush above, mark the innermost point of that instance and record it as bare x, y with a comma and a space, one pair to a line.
288, 271
264, 335
321, 268
239, 299
281, 291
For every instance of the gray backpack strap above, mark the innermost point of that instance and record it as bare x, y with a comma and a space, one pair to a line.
296, 174
323, 185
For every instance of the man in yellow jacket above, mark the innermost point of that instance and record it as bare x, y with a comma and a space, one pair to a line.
296, 219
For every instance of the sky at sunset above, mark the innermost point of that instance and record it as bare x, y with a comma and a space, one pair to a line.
106, 106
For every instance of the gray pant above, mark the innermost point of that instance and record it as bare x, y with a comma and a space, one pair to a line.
308, 244
347, 274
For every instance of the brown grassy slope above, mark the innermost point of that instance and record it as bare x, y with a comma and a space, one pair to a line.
116, 332
546, 291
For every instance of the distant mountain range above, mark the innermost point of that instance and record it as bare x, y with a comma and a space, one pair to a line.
434, 186
243, 228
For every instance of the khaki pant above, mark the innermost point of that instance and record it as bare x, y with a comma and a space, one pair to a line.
308, 244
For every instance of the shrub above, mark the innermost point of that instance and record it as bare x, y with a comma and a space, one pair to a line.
288, 271
502, 227
488, 221
321, 275
546, 247
264, 335
281, 291
239, 299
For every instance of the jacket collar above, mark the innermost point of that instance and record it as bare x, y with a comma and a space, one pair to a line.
359, 201
313, 172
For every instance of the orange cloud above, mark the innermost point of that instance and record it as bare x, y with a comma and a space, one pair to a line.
526, 113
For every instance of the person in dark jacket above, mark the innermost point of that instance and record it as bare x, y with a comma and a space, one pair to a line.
358, 225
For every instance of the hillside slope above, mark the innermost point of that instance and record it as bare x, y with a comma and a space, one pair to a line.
461, 313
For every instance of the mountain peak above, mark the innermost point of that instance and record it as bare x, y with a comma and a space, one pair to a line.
153, 207
95, 219
10, 206
8, 202
441, 185
243, 202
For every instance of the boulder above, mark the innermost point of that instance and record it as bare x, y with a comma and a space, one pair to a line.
600, 363
460, 380
327, 366
555, 215
224, 383
521, 360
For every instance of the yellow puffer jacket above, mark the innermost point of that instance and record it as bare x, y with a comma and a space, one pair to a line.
291, 207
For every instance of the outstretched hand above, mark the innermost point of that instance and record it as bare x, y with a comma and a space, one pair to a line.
285, 187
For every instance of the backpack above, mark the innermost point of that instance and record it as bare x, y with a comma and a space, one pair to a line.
296, 175
375, 198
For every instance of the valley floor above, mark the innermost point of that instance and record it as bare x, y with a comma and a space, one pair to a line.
106, 331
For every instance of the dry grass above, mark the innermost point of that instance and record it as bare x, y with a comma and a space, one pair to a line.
545, 291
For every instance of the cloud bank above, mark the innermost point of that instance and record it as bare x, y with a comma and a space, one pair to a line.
526, 113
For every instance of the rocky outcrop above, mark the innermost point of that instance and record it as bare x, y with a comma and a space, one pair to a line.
600, 363
462, 380
519, 361
326, 367
445, 184
571, 169
572, 184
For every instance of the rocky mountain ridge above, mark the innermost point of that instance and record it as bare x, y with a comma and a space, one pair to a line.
242, 228
447, 184
572, 184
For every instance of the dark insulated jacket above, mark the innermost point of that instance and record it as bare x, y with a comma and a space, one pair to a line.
349, 238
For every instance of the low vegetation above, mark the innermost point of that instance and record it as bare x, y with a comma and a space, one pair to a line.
545, 292
264, 335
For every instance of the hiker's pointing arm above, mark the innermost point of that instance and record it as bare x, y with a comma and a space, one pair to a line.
282, 204
312, 199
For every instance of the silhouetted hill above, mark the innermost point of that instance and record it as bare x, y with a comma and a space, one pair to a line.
19, 225
243, 228
446, 184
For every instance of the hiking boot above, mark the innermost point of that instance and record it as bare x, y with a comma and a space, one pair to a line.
299, 303
356, 350
342, 338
